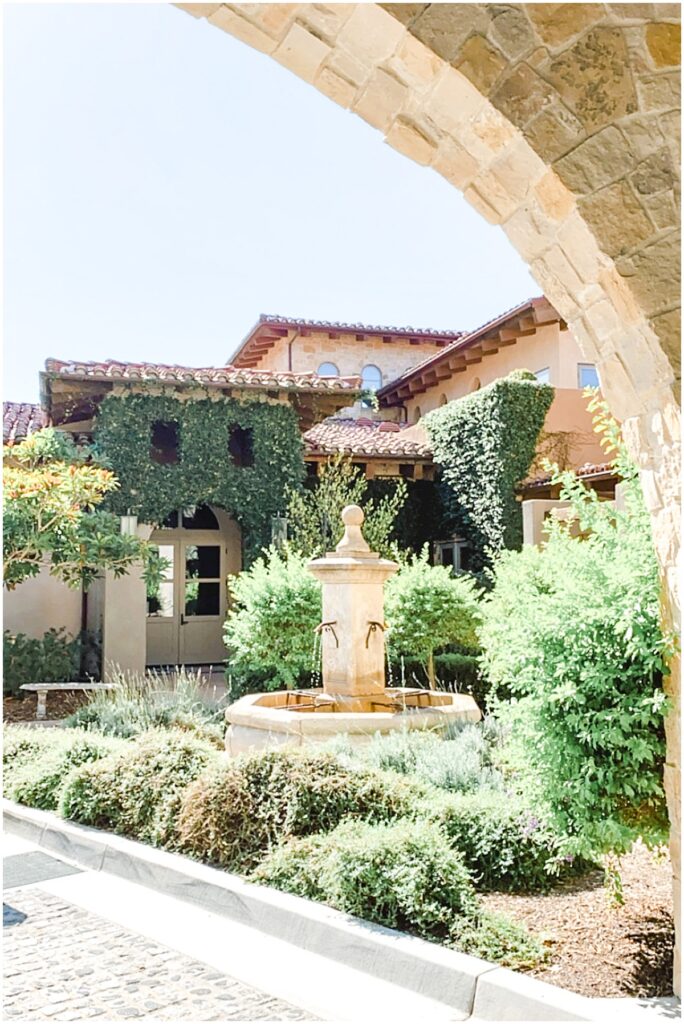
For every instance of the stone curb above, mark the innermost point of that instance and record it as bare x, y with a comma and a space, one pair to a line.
468, 985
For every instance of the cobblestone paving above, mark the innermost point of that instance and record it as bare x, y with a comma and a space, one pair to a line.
62, 963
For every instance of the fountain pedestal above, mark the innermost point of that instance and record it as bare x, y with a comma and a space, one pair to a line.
354, 699
352, 630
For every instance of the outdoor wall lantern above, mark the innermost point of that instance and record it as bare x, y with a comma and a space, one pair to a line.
279, 530
129, 525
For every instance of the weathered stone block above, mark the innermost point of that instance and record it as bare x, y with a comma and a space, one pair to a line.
655, 174
335, 88
530, 231
242, 29
522, 95
474, 196
272, 18
643, 134
409, 140
662, 210
518, 169
453, 100
668, 327
580, 247
493, 129
371, 33
616, 219
593, 78
602, 159
302, 52
632, 12
659, 92
445, 27
381, 100
481, 63
405, 13
325, 19
414, 64
455, 164
654, 274
511, 31
558, 23
664, 43
553, 197
554, 132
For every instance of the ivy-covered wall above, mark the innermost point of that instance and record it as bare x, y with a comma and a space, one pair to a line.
485, 444
205, 472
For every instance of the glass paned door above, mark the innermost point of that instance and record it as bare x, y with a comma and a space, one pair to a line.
163, 613
203, 603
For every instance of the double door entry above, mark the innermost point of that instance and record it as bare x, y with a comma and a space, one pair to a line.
186, 611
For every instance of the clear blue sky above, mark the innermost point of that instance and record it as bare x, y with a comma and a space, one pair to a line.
165, 184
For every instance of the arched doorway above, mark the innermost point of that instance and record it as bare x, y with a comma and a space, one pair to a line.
187, 608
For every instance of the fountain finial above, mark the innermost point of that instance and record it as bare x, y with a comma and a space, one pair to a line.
353, 542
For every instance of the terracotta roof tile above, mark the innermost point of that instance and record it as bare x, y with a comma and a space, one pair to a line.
353, 437
414, 332
19, 419
588, 470
214, 376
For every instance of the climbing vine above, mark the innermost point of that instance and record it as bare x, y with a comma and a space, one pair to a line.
485, 444
205, 471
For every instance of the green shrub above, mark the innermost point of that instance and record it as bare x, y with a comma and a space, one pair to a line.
236, 811
156, 700
276, 605
22, 743
460, 762
503, 843
402, 875
138, 792
485, 444
497, 938
572, 633
428, 608
37, 782
53, 658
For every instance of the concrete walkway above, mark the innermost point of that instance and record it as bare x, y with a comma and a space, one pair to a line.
84, 945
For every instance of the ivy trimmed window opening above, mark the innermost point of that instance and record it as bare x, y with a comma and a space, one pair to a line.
453, 553
241, 446
165, 442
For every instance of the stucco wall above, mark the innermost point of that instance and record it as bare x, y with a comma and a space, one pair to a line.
42, 603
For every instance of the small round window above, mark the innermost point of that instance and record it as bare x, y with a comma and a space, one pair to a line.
328, 370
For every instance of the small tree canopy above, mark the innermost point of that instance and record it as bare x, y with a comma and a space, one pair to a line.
51, 493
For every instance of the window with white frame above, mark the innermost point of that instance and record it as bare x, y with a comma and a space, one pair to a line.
587, 376
544, 376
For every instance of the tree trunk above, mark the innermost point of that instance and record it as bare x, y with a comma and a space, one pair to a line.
431, 671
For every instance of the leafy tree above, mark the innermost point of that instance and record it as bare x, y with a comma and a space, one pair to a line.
427, 608
573, 642
51, 493
315, 516
275, 607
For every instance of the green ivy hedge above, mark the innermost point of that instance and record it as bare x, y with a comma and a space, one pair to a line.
205, 472
53, 658
485, 444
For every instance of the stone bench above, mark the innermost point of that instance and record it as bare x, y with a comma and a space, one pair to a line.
42, 690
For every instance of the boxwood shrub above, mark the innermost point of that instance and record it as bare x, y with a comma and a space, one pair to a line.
402, 875
234, 813
138, 792
503, 843
37, 780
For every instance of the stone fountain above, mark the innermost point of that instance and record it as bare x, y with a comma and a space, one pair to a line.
354, 698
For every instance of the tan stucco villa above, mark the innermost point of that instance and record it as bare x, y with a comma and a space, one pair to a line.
289, 379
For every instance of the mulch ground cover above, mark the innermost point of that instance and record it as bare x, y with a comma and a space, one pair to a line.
597, 948
59, 705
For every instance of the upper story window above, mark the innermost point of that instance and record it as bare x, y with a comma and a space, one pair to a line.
328, 370
371, 377
587, 375
241, 446
165, 442
543, 376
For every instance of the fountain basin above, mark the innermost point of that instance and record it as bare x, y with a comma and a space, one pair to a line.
306, 717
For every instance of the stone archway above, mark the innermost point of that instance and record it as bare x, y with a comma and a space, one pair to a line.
557, 122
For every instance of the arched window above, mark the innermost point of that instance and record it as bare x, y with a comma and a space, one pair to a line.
328, 370
371, 377
417, 414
